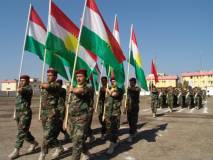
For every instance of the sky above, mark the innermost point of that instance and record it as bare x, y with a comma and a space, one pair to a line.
178, 34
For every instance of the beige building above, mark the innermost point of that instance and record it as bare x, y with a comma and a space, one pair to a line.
8, 85
201, 79
163, 80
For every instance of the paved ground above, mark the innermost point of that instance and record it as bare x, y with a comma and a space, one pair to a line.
181, 135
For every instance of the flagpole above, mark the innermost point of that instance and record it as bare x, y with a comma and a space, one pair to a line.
44, 61
128, 68
22, 56
99, 87
103, 117
74, 65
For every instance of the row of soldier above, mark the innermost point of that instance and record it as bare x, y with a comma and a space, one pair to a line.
173, 97
80, 112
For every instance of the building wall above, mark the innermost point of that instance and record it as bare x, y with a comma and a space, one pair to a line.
164, 83
202, 81
8, 86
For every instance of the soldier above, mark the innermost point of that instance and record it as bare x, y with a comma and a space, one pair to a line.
112, 114
23, 117
133, 101
190, 99
198, 99
50, 115
61, 108
78, 117
170, 99
182, 98
154, 100
89, 133
101, 103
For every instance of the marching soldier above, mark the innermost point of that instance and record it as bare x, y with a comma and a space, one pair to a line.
78, 117
182, 98
101, 103
170, 99
133, 100
198, 99
50, 115
154, 100
23, 117
160, 103
113, 113
190, 99
89, 133
61, 108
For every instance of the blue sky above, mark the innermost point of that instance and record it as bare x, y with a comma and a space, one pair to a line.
177, 33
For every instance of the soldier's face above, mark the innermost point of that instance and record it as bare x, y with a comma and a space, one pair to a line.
23, 82
113, 82
104, 82
132, 83
81, 79
51, 77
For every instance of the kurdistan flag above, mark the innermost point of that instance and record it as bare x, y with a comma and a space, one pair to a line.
35, 43
62, 39
135, 60
97, 37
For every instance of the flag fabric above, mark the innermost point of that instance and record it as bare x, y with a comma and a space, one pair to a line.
63, 38
35, 43
118, 73
97, 38
135, 60
154, 71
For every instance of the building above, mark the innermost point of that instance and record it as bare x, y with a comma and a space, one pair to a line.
202, 79
164, 80
8, 85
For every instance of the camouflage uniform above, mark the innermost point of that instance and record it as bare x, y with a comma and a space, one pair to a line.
50, 116
78, 119
24, 116
154, 101
190, 100
101, 103
61, 109
160, 103
182, 99
113, 113
133, 101
198, 99
170, 99
91, 109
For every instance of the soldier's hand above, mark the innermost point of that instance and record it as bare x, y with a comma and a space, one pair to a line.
19, 89
70, 89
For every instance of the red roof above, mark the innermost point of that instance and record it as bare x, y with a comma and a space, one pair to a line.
151, 77
202, 73
8, 81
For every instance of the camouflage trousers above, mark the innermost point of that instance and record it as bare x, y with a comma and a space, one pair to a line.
50, 124
112, 126
170, 104
23, 120
89, 130
100, 117
78, 125
154, 104
132, 117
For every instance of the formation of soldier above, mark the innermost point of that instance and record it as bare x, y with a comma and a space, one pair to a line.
80, 112
174, 97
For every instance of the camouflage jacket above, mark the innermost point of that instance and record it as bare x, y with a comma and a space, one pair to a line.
62, 98
50, 96
154, 96
133, 97
80, 103
113, 103
23, 99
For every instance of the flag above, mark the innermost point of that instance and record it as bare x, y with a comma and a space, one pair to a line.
118, 73
97, 37
154, 71
35, 43
135, 60
63, 38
